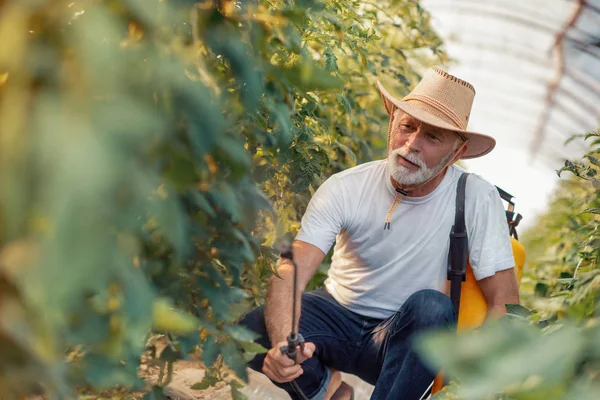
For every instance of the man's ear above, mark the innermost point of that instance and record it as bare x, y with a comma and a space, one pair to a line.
394, 116
462, 149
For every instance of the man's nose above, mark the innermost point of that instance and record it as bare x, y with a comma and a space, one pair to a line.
413, 142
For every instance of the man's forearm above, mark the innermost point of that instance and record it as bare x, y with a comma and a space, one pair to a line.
498, 309
500, 289
495, 312
280, 296
278, 305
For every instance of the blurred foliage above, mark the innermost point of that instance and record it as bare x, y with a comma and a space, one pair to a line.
551, 351
151, 153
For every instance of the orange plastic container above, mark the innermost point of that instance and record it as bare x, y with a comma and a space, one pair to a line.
473, 305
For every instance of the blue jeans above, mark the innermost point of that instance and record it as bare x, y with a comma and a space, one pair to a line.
379, 352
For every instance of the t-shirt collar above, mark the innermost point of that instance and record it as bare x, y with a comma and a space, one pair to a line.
448, 178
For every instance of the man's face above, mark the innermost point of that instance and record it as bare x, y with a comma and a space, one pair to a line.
418, 151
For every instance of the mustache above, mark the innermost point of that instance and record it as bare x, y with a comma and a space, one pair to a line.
409, 156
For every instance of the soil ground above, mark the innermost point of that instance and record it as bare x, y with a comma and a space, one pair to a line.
187, 373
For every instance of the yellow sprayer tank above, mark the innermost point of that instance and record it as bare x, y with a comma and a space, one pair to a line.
473, 305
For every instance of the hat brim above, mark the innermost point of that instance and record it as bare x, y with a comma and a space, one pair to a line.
478, 143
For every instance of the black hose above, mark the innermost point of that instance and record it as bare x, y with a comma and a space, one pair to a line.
299, 391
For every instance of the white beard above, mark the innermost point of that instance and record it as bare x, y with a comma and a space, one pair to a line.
404, 176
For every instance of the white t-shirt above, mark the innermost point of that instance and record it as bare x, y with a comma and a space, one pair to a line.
373, 271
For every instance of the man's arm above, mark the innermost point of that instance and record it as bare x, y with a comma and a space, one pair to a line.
278, 311
322, 221
278, 305
500, 289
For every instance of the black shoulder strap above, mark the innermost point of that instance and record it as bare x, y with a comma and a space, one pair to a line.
459, 245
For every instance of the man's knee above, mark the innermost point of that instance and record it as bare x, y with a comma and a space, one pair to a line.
430, 308
255, 321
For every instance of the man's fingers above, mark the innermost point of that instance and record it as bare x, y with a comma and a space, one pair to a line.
289, 371
282, 375
296, 375
281, 371
309, 350
280, 368
279, 358
282, 358
270, 374
283, 361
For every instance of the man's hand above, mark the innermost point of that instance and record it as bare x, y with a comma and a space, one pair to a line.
280, 368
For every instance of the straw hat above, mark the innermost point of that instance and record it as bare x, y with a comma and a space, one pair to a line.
444, 101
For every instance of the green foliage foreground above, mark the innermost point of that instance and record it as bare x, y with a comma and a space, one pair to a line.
553, 351
146, 147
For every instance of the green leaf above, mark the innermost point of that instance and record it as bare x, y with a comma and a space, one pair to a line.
233, 155
541, 289
591, 211
226, 42
103, 372
169, 216
169, 319
297, 15
236, 394
206, 382
281, 116
170, 354
315, 79
569, 166
566, 281
180, 171
584, 392
210, 351
309, 107
244, 248
591, 173
261, 201
234, 360
201, 202
239, 332
593, 160
330, 61
344, 103
364, 61
346, 150
235, 383
504, 353
187, 343
206, 124
571, 138
225, 200
591, 134
251, 349
518, 310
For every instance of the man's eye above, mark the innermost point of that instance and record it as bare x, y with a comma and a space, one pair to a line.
432, 136
407, 126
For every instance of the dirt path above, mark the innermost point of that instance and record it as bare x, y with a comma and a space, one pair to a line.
187, 373
260, 387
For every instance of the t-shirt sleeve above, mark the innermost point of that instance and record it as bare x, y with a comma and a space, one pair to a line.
323, 218
490, 250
